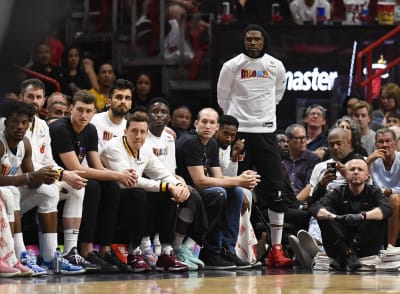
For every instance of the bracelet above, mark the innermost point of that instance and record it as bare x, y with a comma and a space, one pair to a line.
60, 173
28, 178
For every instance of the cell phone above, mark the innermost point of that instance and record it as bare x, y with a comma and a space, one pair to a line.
331, 167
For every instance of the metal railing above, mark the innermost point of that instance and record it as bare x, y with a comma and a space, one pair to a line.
373, 74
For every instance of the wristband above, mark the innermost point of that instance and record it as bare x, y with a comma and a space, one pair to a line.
164, 187
60, 173
28, 178
364, 214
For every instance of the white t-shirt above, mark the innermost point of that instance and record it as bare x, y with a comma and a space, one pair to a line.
228, 167
106, 129
302, 13
164, 148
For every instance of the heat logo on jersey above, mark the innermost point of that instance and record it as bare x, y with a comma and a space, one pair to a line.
42, 148
107, 136
251, 73
160, 151
8, 170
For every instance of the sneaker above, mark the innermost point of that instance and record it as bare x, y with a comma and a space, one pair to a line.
150, 257
338, 264
185, 254
276, 257
138, 264
29, 260
232, 257
308, 243
105, 267
352, 261
214, 261
25, 271
66, 267
111, 258
74, 258
302, 257
7, 271
169, 263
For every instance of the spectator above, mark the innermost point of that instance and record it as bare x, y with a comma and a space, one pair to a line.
42, 64
77, 71
142, 91
393, 119
385, 172
181, 120
315, 124
351, 219
105, 78
354, 131
389, 101
362, 115
305, 11
348, 103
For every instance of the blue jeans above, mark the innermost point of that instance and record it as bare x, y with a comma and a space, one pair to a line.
227, 237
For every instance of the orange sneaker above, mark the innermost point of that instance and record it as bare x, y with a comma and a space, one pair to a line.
276, 257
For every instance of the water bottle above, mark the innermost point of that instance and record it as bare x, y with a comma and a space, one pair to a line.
57, 261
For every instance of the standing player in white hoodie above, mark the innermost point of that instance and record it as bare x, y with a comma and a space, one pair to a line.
250, 86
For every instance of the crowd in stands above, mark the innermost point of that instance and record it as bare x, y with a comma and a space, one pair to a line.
144, 185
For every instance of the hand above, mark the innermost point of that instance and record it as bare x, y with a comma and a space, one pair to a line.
45, 175
74, 179
128, 177
249, 179
327, 178
179, 193
237, 149
378, 153
350, 219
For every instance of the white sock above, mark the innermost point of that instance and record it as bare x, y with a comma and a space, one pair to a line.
157, 244
166, 249
70, 239
189, 242
178, 242
19, 245
276, 220
49, 246
145, 244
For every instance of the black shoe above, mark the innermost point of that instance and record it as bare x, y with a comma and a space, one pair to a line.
232, 257
105, 267
339, 264
352, 261
74, 258
111, 258
215, 261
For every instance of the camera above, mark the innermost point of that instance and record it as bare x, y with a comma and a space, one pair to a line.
331, 167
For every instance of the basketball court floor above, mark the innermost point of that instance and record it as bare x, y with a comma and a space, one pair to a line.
261, 280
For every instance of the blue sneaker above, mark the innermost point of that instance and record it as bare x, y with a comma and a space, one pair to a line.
29, 260
185, 254
66, 267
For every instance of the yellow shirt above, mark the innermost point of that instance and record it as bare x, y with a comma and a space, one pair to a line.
101, 100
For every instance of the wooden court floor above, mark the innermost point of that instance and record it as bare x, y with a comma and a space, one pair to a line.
253, 281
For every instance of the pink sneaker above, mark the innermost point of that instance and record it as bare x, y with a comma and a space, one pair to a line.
7, 271
25, 271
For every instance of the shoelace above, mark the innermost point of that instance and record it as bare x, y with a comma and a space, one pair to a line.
79, 259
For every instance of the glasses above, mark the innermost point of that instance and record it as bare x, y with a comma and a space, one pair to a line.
298, 139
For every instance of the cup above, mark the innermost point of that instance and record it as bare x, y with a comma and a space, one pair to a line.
386, 13
321, 15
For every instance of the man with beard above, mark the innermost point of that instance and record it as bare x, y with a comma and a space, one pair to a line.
112, 123
250, 86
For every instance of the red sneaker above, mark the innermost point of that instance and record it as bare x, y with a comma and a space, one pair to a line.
276, 257
169, 263
137, 263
